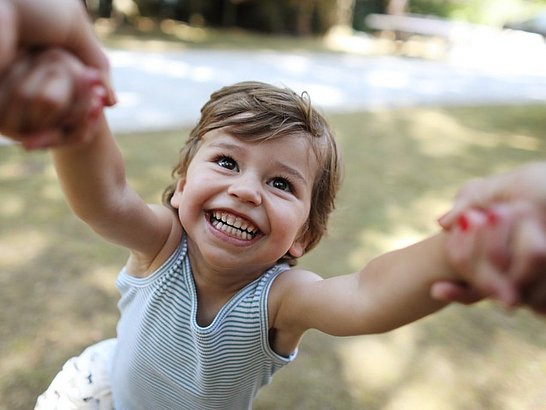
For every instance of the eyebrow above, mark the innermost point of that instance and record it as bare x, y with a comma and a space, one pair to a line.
291, 171
226, 145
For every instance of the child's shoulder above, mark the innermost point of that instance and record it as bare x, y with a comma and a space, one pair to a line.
283, 313
289, 285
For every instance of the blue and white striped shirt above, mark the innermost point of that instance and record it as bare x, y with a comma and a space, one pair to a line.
165, 360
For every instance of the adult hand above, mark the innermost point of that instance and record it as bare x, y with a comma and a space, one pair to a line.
49, 98
521, 260
527, 183
51, 23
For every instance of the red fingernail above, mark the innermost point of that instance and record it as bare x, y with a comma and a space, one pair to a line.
492, 217
463, 223
100, 94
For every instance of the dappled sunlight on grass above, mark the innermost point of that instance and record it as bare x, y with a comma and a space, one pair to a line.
402, 232
413, 369
21, 245
385, 358
381, 242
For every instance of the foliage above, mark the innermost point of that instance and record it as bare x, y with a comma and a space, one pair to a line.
476, 11
305, 17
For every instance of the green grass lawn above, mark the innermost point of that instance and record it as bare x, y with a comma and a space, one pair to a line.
57, 291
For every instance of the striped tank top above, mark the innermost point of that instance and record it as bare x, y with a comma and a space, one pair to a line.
165, 360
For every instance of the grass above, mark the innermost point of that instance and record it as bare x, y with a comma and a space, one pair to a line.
403, 167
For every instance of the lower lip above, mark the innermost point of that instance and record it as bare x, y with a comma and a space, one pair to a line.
228, 238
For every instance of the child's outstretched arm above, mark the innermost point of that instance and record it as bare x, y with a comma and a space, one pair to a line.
91, 171
390, 291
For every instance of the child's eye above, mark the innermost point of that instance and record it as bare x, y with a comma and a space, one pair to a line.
281, 183
227, 162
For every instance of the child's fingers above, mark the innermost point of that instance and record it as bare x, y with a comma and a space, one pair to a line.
88, 100
447, 291
42, 139
56, 137
84, 131
49, 95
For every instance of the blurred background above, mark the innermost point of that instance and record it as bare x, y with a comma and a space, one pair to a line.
423, 95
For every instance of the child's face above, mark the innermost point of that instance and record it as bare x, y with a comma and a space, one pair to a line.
243, 204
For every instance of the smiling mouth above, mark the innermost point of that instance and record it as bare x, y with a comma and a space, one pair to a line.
233, 225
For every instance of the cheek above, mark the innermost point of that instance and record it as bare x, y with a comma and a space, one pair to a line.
291, 220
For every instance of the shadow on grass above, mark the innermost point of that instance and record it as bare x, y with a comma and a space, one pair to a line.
402, 169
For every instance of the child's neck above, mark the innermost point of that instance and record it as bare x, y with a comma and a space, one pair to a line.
215, 286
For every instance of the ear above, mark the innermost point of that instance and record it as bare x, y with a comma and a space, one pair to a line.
175, 199
298, 247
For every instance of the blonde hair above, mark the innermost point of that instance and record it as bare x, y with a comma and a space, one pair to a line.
257, 112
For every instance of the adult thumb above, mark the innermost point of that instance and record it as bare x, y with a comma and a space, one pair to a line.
8, 31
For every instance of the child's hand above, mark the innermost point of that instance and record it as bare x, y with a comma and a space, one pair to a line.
49, 98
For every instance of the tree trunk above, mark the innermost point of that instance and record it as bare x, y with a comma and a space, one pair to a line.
345, 12
397, 7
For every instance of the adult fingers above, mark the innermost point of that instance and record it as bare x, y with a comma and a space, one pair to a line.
479, 193
8, 30
469, 250
535, 297
529, 255
12, 101
60, 23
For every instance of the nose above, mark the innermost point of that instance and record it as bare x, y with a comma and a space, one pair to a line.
246, 188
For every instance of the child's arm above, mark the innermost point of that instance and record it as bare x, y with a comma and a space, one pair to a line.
390, 291
92, 175
91, 171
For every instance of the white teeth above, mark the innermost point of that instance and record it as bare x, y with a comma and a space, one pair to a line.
230, 220
233, 225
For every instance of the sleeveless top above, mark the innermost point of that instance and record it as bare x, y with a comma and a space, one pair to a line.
165, 360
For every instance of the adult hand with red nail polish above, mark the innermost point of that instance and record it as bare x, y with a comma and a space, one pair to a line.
514, 202
527, 183
49, 98
26, 24
478, 247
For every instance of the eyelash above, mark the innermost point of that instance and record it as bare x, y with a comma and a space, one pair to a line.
290, 186
217, 159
